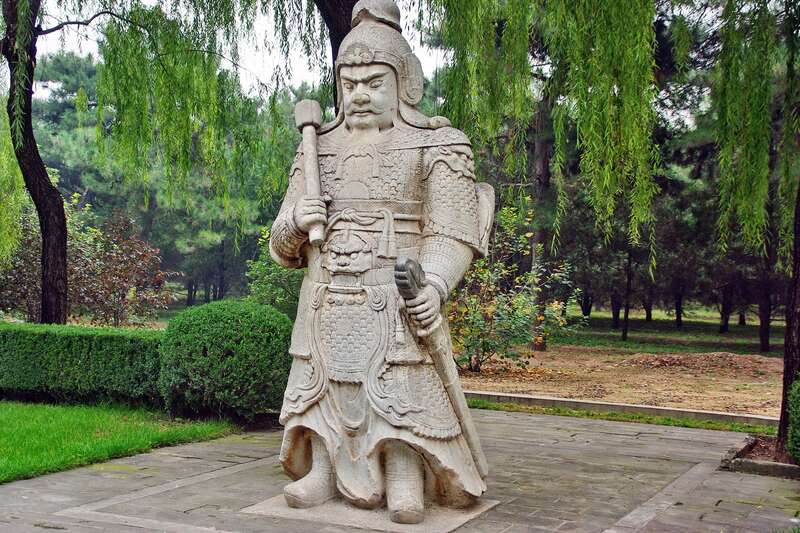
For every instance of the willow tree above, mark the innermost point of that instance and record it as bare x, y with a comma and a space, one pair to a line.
160, 97
587, 63
752, 35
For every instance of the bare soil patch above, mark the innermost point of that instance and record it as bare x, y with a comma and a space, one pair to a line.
716, 381
763, 448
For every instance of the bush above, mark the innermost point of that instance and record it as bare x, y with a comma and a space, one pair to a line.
226, 358
498, 308
793, 438
74, 363
272, 284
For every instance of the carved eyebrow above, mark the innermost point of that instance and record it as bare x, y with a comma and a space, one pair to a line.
365, 79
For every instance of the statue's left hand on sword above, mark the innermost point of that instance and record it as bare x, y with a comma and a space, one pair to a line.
422, 300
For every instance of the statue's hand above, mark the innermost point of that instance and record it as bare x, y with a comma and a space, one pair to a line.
309, 210
426, 306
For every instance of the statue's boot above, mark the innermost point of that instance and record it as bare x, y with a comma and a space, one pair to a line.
405, 484
318, 486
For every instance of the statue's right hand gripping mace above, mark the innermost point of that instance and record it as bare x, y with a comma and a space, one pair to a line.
308, 119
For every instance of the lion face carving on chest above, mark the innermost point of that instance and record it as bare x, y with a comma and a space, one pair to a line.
347, 253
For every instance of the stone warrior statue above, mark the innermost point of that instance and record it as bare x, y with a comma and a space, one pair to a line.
367, 411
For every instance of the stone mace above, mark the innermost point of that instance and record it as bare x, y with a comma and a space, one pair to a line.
308, 119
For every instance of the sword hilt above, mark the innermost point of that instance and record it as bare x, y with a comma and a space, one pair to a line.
409, 277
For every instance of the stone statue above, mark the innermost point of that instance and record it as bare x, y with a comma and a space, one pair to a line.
383, 209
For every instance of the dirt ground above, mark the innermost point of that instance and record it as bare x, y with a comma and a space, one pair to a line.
716, 381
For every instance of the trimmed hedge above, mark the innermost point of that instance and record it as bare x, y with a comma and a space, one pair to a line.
793, 438
74, 363
227, 358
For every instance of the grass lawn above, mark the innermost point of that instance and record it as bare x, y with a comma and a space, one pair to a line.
700, 333
39, 438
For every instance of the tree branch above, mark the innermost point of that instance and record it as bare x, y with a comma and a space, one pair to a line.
87, 22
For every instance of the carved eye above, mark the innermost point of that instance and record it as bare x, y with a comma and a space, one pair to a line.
333, 255
376, 83
353, 255
348, 86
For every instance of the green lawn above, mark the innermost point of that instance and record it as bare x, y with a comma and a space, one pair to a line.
700, 333
38, 438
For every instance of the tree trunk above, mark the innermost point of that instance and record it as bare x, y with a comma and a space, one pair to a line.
742, 318
616, 304
764, 315
791, 351
628, 283
678, 309
190, 293
206, 292
726, 308
221, 287
48, 201
586, 304
647, 303
337, 15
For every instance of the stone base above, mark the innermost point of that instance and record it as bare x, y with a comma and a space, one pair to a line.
339, 513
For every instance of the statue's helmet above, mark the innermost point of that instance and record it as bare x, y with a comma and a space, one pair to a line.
377, 37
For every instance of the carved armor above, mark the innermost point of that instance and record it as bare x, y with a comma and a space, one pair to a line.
359, 376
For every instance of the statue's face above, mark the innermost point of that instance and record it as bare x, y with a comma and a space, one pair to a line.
369, 94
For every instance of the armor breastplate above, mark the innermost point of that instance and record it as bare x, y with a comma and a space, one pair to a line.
371, 171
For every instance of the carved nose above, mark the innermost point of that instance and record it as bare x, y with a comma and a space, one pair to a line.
360, 98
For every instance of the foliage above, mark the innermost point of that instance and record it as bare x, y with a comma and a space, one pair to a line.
36, 439
127, 281
593, 60
793, 440
743, 98
204, 237
272, 284
228, 358
75, 363
608, 88
12, 195
114, 276
496, 307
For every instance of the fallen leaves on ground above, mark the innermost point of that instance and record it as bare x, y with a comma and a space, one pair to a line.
711, 362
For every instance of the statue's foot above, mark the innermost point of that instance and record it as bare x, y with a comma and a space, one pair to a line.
318, 486
310, 491
404, 485
407, 512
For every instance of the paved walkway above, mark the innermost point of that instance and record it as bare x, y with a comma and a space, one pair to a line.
549, 473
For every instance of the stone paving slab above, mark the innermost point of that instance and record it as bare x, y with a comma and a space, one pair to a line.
549, 474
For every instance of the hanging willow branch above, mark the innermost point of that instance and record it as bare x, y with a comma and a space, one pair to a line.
12, 194
790, 140
600, 77
607, 51
742, 96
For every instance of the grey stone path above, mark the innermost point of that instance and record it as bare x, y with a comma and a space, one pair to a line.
549, 473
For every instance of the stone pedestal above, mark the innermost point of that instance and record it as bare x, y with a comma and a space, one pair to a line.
339, 513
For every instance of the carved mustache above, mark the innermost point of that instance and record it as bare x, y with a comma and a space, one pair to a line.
355, 108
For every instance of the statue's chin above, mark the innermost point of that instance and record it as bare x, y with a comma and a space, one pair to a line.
367, 122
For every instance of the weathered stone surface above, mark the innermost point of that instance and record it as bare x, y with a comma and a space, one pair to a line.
549, 474
383, 210
340, 513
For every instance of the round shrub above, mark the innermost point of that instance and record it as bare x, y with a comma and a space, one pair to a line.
793, 437
228, 358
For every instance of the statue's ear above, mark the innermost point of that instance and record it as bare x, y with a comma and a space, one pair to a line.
412, 82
